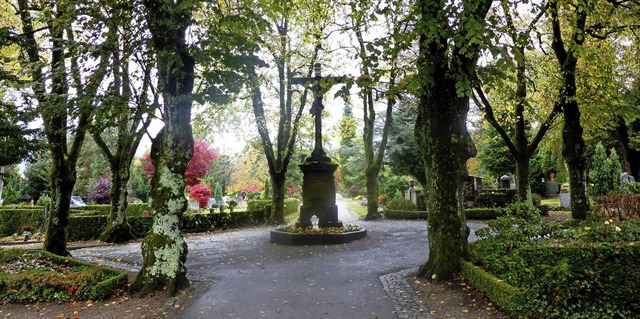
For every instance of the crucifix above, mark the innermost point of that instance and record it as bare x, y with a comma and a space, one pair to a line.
318, 85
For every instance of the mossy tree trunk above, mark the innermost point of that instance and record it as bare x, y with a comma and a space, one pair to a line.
164, 249
574, 145
372, 193
277, 199
446, 65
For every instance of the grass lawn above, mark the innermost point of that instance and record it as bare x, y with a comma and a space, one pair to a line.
553, 201
355, 207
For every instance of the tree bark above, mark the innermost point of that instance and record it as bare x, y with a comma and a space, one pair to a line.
573, 152
277, 199
372, 192
441, 130
523, 188
164, 249
630, 156
118, 229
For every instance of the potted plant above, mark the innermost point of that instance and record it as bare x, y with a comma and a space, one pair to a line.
27, 230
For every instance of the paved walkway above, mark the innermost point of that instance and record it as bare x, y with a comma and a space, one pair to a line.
239, 274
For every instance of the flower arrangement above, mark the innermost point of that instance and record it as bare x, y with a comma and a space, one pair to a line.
28, 229
324, 230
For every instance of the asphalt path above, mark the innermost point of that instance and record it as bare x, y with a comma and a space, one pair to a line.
239, 274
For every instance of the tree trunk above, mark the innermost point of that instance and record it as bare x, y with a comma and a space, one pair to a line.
445, 144
118, 229
164, 249
523, 187
573, 152
372, 193
630, 156
277, 199
63, 180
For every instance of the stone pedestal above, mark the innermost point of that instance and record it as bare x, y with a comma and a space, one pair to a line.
319, 194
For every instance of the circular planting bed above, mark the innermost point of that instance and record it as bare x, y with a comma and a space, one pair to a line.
294, 236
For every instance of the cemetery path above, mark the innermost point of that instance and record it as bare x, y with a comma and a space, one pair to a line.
239, 274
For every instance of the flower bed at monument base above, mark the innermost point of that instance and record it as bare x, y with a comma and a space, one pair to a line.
292, 235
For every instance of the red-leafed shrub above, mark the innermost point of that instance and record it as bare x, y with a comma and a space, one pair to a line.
200, 193
100, 191
200, 164
252, 189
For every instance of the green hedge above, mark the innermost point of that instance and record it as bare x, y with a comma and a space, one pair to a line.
483, 213
43, 281
291, 205
506, 297
12, 220
568, 281
596, 281
133, 209
405, 214
470, 213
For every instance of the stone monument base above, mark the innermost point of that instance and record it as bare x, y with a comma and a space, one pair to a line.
291, 239
328, 216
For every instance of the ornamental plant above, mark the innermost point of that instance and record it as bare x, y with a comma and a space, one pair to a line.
605, 172
200, 193
100, 191
199, 166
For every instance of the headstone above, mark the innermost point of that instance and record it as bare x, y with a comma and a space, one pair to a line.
552, 188
626, 178
505, 181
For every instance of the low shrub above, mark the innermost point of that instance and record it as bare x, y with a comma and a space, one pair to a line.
41, 276
536, 199
401, 204
491, 200
88, 227
257, 204
503, 295
483, 213
544, 209
570, 270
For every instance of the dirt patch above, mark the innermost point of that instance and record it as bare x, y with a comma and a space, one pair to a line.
454, 300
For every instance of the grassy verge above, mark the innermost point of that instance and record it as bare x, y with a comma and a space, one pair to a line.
355, 207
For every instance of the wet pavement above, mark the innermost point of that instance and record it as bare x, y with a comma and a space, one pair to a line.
239, 274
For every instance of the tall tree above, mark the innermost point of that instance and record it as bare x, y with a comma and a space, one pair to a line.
164, 249
126, 111
449, 49
583, 19
514, 71
65, 85
380, 65
292, 47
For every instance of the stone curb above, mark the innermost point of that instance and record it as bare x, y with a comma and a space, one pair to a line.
406, 303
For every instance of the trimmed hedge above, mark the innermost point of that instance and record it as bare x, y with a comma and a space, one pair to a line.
405, 214
291, 205
470, 213
496, 198
133, 209
506, 297
12, 220
565, 281
52, 280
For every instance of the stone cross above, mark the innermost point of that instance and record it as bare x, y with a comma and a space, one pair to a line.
318, 85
